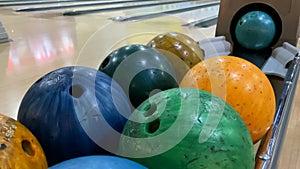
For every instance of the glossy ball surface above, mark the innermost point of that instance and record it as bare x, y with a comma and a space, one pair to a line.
180, 67
75, 111
152, 82
140, 70
18, 146
98, 162
241, 84
187, 129
255, 30
180, 45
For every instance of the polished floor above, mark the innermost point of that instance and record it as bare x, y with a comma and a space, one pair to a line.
44, 40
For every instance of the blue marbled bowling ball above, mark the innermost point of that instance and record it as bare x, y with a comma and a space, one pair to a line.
75, 111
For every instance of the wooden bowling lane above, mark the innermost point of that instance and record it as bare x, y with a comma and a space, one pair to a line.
11, 1
91, 11
204, 22
25, 3
37, 47
78, 9
130, 8
40, 45
192, 11
77, 4
75, 8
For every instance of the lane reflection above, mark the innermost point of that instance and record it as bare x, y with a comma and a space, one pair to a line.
41, 45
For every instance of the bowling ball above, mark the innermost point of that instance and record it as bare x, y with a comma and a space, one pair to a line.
75, 111
180, 67
98, 162
149, 82
255, 30
18, 146
243, 85
180, 45
140, 70
187, 129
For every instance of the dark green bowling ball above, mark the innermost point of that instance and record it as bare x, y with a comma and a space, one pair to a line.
255, 30
186, 128
140, 70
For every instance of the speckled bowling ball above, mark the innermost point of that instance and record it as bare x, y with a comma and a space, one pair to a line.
242, 85
181, 45
187, 128
19, 148
255, 30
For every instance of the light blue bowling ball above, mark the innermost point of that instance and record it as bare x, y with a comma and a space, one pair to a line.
98, 162
255, 30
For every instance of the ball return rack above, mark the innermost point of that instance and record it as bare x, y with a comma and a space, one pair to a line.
281, 64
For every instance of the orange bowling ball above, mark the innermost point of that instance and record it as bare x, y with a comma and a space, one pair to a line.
241, 84
19, 149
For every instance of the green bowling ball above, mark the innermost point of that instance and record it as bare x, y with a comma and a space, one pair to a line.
140, 70
186, 128
255, 30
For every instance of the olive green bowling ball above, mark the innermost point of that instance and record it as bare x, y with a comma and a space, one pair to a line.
181, 45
